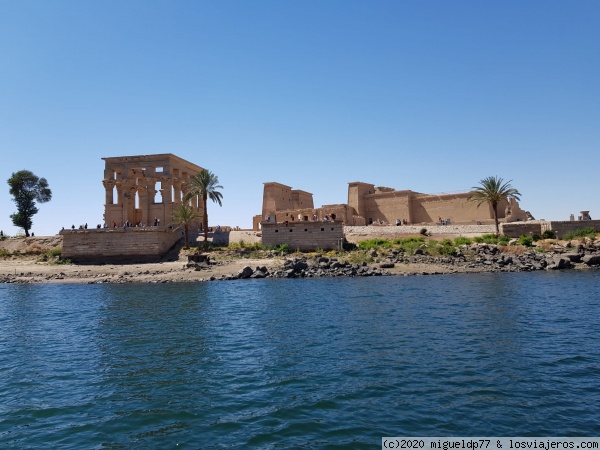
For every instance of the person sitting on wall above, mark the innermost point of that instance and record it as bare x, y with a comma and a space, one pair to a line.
398, 222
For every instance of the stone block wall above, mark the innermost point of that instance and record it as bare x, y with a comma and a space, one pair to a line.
562, 227
304, 236
516, 229
118, 245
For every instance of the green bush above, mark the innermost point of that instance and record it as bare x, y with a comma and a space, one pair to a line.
4, 253
374, 243
486, 239
283, 248
527, 241
462, 241
410, 244
581, 233
443, 247
548, 234
492, 239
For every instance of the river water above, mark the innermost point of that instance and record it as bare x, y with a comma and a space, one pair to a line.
309, 363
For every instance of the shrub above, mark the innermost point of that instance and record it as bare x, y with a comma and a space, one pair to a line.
54, 252
527, 241
283, 248
374, 243
359, 257
486, 239
548, 234
462, 241
423, 231
444, 247
4, 253
410, 244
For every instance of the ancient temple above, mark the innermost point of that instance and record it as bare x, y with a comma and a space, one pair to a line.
144, 190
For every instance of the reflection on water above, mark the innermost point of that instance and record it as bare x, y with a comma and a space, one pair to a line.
299, 363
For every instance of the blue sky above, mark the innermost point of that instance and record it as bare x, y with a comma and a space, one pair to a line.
431, 96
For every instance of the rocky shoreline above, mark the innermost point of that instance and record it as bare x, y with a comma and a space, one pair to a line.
472, 258
482, 258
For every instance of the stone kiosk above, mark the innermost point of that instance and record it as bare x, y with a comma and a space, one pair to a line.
141, 194
140, 189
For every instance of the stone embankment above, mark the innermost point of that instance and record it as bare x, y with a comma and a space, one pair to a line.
356, 234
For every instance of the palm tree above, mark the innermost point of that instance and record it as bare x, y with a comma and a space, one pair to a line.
205, 185
185, 216
493, 190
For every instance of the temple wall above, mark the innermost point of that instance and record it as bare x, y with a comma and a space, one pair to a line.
119, 245
276, 197
387, 207
304, 236
368, 204
456, 207
302, 200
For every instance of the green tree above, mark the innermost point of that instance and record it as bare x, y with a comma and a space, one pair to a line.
205, 185
185, 216
493, 190
26, 188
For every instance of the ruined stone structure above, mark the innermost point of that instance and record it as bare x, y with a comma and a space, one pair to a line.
141, 194
304, 236
368, 205
140, 189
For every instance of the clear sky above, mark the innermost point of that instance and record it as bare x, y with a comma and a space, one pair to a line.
430, 96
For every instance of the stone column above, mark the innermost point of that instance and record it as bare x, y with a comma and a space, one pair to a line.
177, 186
144, 203
108, 186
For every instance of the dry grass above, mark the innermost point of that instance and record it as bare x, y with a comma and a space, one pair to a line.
512, 249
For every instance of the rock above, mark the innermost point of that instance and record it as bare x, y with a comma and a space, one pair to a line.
573, 257
591, 260
559, 262
300, 266
386, 265
246, 272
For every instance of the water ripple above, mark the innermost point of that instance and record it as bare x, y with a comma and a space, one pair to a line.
298, 363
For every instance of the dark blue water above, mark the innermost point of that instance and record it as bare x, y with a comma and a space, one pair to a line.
313, 363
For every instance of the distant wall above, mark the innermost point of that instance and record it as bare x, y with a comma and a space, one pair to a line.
562, 227
305, 236
516, 229
118, 245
